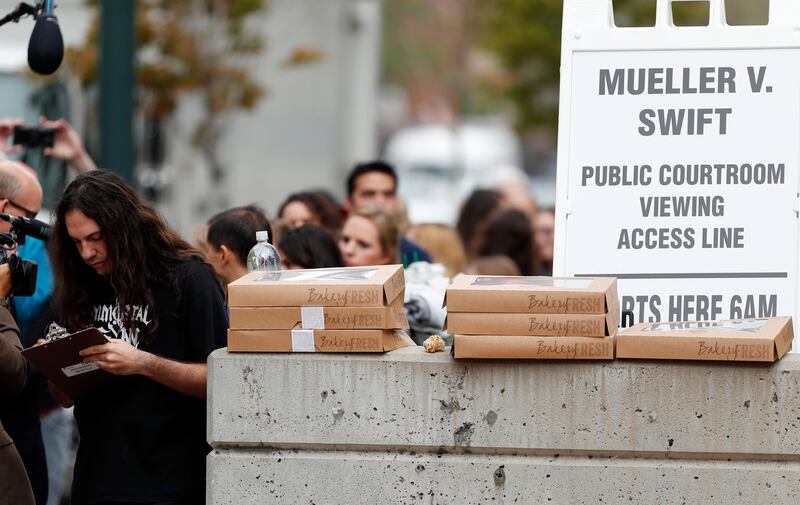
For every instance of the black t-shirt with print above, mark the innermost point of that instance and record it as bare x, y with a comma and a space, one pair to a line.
141, 441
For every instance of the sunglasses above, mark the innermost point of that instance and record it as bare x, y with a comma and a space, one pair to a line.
26, 212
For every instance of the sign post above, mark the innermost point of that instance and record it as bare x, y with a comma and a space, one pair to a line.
678, 160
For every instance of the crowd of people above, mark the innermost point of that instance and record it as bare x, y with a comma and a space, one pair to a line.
113, 263
499, 230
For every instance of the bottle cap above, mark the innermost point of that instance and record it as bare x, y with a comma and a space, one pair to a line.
262, 236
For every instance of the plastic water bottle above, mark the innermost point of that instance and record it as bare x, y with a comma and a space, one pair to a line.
263, 257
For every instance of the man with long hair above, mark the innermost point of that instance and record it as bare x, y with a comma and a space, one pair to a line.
120, 268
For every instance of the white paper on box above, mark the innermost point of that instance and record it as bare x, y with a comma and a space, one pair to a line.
516, 281
376, 286
332, 274
303, 341
745, 326
80, 368
312, 318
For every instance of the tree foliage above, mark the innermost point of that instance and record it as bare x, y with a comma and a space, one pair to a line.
187, 46
526, 37
178, 50
425, 47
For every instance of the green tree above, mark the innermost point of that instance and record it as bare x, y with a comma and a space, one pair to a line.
526, 37
425, 48
188, 46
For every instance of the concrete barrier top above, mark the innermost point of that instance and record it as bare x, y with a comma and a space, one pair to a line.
418, 402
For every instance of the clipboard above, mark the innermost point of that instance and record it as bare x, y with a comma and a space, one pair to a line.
60, 362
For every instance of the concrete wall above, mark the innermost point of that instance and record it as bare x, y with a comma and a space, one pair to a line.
408, 427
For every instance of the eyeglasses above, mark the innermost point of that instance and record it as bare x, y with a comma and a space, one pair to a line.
26, 212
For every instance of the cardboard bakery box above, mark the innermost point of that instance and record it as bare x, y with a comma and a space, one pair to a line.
323, 318
375, 286
535, 295
527, 347
765, 339
488, 323
299, 340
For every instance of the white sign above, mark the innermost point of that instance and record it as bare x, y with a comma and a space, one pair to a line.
678, 167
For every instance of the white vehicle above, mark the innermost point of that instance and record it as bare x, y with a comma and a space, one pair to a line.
439, 166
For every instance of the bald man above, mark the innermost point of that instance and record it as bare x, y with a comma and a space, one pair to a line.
21, 195
20, 191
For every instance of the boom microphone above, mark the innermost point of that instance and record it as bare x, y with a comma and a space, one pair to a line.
46, 45
27, 226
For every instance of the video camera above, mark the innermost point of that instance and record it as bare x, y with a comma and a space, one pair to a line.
23, 272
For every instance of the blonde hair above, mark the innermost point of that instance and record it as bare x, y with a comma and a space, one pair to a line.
443, 243
388, 231
401, 215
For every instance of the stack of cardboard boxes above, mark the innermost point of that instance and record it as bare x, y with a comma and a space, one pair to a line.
761, 339
532, 317
319, 310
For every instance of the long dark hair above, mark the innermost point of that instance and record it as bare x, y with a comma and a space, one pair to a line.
141, 249
480, 205
311, 247
323, 208
509, 233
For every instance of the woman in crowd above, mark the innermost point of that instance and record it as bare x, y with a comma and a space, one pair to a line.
443, 244
543, 230
309, 247
310, 208
369, 237
480, 204
508, 233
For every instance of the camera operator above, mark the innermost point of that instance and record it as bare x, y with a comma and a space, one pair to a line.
14, 486
21, 195
33, 313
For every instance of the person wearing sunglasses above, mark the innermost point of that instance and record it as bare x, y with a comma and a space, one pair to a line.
21, 195
42, 428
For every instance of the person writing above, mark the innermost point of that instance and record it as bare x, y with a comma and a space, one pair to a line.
120, 268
